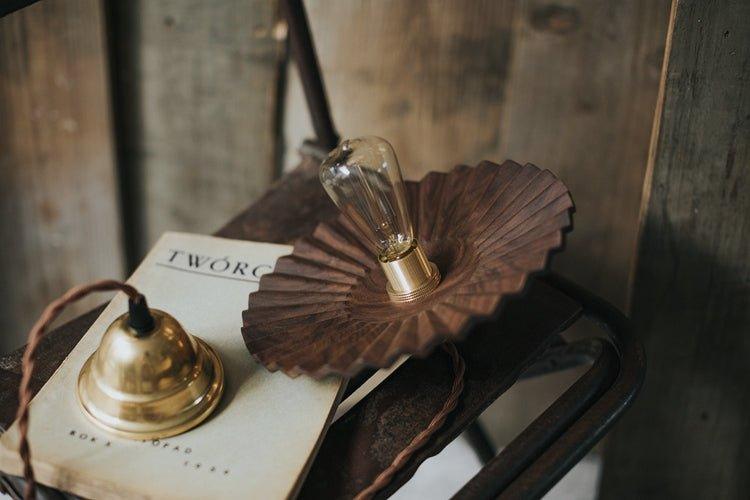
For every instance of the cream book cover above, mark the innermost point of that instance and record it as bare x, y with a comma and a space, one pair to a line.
258, 444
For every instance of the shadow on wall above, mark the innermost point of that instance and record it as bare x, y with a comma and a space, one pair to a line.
691, 308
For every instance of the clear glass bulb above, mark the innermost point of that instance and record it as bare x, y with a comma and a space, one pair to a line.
363, 178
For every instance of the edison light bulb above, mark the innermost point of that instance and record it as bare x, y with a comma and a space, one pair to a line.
363, 179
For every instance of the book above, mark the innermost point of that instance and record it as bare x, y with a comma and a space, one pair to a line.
260, 441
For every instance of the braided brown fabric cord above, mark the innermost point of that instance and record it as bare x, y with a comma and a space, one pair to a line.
386, 476
29, 357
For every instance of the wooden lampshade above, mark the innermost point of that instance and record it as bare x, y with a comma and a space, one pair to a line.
324, 309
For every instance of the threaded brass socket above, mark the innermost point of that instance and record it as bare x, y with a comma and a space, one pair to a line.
410, 276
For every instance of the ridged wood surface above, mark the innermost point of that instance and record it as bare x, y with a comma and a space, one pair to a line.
324, 309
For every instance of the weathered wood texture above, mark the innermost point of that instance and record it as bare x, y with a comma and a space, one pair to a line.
324, 309
569, 86
59, 214
580, 101
428, 76
198, 95
689, 435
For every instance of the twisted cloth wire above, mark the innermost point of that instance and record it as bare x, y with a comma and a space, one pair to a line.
385, 477
25, 392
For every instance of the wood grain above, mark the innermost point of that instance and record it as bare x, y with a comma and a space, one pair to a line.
580, 99
325, 309
688, 436
570, 85
59, 214
427, 76
199, 91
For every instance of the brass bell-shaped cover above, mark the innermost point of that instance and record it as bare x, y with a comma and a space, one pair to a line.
152, 385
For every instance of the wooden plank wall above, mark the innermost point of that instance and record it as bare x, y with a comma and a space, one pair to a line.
428, 76
59, 213
570, 86
580, 102
196, 93
687, 435
197, 98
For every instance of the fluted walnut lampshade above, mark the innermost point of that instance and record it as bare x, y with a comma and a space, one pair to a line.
325, 308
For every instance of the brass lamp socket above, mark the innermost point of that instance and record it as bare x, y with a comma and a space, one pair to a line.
150, 386
411, 276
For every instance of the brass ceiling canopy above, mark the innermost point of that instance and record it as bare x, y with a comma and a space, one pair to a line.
149, 378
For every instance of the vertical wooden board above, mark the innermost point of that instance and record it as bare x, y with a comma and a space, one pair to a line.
428, 76
688, 435
580, 101
59, 215
202, 106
